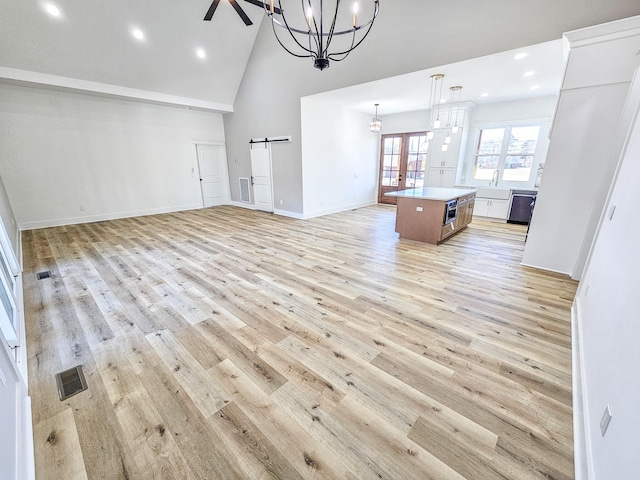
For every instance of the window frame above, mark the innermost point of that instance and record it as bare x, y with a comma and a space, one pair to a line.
10, 325
538, 156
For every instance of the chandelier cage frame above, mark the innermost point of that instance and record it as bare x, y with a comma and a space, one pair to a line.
319, 40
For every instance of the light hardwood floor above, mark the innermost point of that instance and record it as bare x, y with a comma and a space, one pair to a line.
226, 343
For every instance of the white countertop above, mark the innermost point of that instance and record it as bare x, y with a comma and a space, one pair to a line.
433, 193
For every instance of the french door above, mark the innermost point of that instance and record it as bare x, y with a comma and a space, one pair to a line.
403, 160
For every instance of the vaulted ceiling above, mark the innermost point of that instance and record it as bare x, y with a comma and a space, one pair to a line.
90, 46
93, 41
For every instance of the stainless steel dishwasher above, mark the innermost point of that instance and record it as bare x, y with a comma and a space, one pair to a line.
522, 203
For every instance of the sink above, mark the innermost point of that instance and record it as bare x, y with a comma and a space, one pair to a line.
493, 192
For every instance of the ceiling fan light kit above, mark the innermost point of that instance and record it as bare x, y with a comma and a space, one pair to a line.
308, 28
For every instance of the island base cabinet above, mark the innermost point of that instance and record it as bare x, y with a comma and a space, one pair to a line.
422, 220
419, 219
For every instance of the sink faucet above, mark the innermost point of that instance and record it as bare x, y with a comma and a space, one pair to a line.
494, 177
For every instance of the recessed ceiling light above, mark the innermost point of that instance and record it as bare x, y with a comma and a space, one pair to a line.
529, 73
201, 53
520, 56
535, 87
138, 34
484, 94
52, 10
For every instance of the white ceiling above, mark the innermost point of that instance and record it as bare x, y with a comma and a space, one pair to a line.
92, 41
500, 75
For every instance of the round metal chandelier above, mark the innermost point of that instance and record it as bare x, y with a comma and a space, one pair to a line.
313, 25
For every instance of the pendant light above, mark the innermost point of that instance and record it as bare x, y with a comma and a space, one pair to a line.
456, 91
375, 125
436, 81
437, 122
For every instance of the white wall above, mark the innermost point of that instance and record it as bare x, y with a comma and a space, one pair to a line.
60, 151
539, 107
607, 308
582, 151
401, 41
340, 159
406, 122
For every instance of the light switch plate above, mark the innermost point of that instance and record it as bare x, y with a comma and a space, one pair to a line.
606, 419
612, 210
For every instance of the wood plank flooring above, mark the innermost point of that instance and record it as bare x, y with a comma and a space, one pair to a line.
225, 343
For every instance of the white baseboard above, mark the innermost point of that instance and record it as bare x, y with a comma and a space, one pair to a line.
343, 208
581, 445
545, 269
249, 206
287, 213
305, 216
105, 216
490, 219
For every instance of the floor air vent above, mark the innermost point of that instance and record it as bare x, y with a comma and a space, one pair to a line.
245, 195
43, 275
70, 382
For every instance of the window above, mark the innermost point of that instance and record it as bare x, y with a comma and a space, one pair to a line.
8, 290
509, 151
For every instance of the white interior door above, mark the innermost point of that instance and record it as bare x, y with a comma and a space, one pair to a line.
214, 180
261, 176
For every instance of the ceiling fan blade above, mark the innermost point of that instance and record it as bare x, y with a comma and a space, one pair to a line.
263, 5
212, 10
247, 21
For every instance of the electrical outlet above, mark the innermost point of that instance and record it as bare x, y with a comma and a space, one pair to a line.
82, 208
419, 209
606, 419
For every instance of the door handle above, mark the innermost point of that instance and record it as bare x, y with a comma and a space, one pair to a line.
252, 180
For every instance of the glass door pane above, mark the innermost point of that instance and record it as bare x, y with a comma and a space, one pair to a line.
391, 162
416, 161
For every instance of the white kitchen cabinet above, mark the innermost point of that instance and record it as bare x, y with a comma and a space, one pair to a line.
492, 208
449, 159
441, 177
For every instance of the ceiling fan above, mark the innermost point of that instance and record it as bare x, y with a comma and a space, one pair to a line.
247, 21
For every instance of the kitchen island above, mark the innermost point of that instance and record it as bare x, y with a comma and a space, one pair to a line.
433, 214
